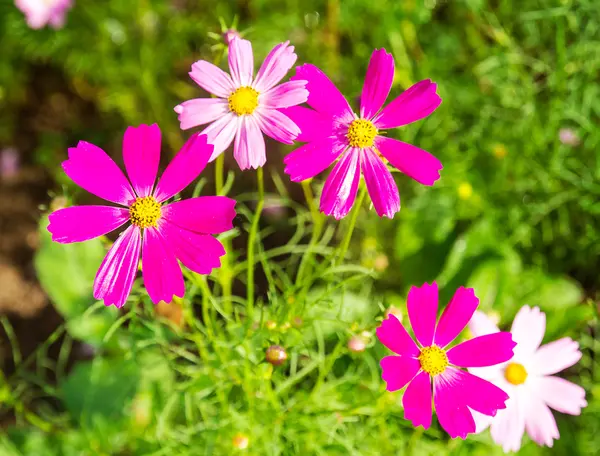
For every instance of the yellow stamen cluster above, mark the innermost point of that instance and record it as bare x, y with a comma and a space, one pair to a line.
361, 133
433, 360
243, 101
515, 373
145, 212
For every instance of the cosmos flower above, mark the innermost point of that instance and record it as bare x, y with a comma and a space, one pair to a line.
529, 381
161, 233
332, 130
39, 13
246, 107
456, 393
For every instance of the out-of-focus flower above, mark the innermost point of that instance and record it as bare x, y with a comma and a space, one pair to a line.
245, 107
465, 191
39, 13
276, 355
381, 262
240, 441
332, 130
273, 208
9, 162
568, 137
456, 393
161, 234
499, 151
529, 381
357, 344
393, 310
297, 322
270, 325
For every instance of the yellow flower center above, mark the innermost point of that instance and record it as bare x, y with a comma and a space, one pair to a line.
515, 373
433, 360
243, 101
145, 212
361, 133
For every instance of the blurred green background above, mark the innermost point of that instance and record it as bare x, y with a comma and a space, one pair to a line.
515, 215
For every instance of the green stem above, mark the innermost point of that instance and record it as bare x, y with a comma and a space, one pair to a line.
219, 173
317, 220
353, 217
252, 240
224, 273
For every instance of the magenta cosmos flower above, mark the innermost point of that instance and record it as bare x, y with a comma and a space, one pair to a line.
38, 13
246, 107
528, 379
456, 393
334, 131
162, 233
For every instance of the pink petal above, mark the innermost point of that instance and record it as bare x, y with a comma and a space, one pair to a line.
162, 275
394, 336
249, 146
93, 170
275, 67
555, 357
380, 183
312, 158
276, 125
288, 94
141, 154
323, 94
313, 126
198, 252
452, 411
412, 161
539, 422
422, 305
200, 111
398, 371
81, 223
241, 62
117, 272
528, 330
561, 395
508, 426
341, 185
186, 166
413, 104
378, 82
474, 392
456, 316
221, 132
212, 79
482, 422
417, 401
204, 214
483, 351
480, 324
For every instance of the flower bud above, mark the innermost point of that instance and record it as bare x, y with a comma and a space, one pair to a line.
357, 344
240, 441
276, 355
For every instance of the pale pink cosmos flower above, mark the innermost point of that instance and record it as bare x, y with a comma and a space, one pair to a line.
529, 381
332, 130
246, 107
39, 13
456, 393
161, 233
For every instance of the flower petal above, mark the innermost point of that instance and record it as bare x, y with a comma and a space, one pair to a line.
539, 422
241, 62
410, 160
284, 95
341, 185
162, 275
508, 426
422, 306
561, 395
323, 94
480, 324
476, 393
249, 146
554, 357
221, 132
380, 183
312, 158
456, 316
394, 336
417, 401
528, 330
200, 111
276, 125
413, 104
398, 371
452, 411
186, 166
141, 154
204, 214
378, 82
275, 67
81, 223
483, 351
117, 272
313, 126
93, 170
212, 79
198, 252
